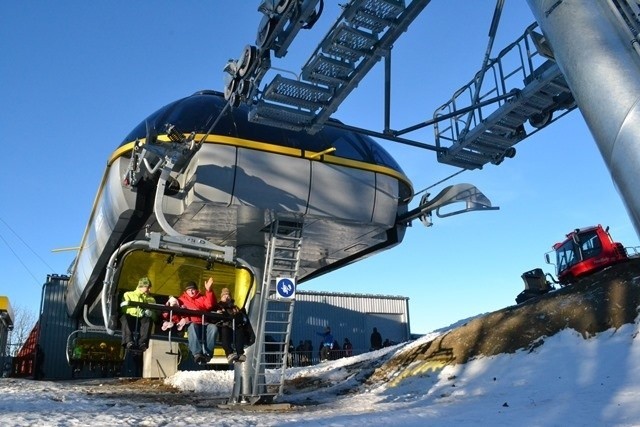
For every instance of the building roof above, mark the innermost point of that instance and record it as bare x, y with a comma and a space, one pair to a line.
347, 294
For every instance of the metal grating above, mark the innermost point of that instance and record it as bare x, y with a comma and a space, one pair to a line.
349, 43
328, 70
281, 116
296, 93
375, 15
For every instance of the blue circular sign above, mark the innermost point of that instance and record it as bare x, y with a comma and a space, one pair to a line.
285, 288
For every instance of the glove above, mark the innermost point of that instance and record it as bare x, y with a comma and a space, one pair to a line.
147, 313
181, 323
167, 325
173, 302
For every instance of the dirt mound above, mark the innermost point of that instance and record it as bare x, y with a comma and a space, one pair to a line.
143, 391
607, 299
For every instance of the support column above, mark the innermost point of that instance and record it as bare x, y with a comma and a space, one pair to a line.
602, 69
253, 255
250, 249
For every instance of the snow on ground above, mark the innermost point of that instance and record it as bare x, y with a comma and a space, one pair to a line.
566, 381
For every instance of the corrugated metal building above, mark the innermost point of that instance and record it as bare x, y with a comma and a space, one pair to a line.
55, 327
351, 316
43, 355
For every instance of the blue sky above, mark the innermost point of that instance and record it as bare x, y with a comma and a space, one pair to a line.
77, 76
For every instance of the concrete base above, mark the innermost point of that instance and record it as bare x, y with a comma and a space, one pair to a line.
157, 363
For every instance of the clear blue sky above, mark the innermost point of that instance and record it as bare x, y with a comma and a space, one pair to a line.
77, 76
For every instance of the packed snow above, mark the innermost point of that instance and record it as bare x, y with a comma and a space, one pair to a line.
569, 380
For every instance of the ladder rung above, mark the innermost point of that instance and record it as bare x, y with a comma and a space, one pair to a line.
288, 264
496, 139
283, 272
296, 93
280, 272
276, 311
349, 43
285, 237
485, 148
529, 109
327, 70
289, 272
504, 127
280, 116
282, 268
539, 99
286, 256
518, 116
559, 85
467, 155
375, 15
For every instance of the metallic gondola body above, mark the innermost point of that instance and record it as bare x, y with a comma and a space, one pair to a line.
345, 188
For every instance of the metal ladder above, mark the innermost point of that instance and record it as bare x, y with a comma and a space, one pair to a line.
487, 133
273, 330
361, 36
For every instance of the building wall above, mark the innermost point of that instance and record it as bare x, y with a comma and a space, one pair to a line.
55, 328
350, 316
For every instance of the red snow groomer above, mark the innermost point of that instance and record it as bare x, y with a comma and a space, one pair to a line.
583, 252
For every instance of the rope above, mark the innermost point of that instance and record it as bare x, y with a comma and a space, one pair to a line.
439, 182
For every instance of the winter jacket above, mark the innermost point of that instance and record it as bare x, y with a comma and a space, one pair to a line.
327, 341
198, 302
232, 311
137, 296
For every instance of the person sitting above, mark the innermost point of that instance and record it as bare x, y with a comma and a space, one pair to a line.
326, 345
137, 318
201, 334
174, 320
231, 329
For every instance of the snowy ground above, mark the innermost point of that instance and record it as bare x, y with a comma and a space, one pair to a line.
566, 381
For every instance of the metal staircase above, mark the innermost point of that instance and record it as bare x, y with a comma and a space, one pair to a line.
513, 96
486, 131
361, 36
628, 12
273, 330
